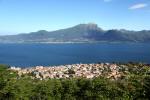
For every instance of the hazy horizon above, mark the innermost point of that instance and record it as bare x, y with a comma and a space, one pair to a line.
29, 16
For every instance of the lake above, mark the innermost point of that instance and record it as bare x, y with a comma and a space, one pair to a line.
32, 54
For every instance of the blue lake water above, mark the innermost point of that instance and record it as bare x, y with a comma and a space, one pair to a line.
32, 54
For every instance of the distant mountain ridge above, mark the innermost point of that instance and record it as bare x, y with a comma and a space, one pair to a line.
80, 33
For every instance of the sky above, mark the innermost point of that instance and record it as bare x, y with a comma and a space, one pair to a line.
23, 16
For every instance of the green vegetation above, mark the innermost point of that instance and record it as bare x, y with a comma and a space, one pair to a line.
71, 71
133, 86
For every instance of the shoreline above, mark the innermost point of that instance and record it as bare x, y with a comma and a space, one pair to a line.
92, 70
69, 42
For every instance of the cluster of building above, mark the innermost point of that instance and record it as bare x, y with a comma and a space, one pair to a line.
110, 70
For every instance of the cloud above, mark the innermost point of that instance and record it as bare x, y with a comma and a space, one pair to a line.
107, 0
142, 5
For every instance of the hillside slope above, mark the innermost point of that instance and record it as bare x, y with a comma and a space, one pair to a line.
80, 33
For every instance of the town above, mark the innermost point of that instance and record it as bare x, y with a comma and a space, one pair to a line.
129, 80
110, 70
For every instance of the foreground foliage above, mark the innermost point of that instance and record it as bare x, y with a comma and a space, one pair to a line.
135, 86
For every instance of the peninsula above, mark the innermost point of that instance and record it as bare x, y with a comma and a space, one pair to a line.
109, 81
109, 70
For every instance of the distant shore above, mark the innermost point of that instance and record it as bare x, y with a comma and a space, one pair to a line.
76, 42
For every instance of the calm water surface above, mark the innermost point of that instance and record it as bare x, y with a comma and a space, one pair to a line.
27, 55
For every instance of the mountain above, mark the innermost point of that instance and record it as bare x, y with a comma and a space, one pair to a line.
80, 33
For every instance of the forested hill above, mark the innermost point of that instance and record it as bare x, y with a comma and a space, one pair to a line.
133, 84
80, 33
